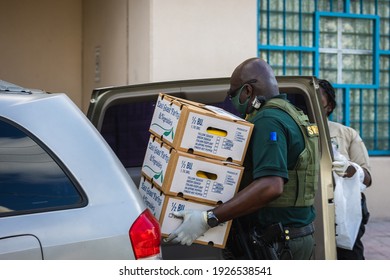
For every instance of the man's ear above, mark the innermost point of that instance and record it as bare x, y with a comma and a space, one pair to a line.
249, 91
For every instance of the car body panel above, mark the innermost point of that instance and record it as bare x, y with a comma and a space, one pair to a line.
112, 105
97, 228
22, 247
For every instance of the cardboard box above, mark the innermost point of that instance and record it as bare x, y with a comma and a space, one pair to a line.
190, 176
204, 130
156, 160
153, 197
163, 205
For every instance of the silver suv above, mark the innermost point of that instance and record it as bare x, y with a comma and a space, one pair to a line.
123, 116
63, 192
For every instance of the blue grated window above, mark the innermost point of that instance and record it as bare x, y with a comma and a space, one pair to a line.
346, 42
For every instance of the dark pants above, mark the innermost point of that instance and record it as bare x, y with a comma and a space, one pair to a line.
302, 248
357, 252
239, 245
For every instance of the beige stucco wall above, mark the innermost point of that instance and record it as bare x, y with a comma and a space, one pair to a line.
142, 41
200, 39
40, 45
175, 39
139, 39
105, 45
378, 195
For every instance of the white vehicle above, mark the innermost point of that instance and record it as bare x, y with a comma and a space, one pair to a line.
63, 192
123, 116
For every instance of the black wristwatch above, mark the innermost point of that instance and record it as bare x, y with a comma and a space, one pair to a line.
212, 220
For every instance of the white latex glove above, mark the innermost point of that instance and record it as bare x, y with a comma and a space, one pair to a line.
194, 225
340, 165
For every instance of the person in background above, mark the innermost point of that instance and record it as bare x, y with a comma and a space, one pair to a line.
283, 146
352, 147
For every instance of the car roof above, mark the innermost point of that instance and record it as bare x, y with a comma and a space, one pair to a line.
12, 88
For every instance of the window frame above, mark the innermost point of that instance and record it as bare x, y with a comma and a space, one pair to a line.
375, 51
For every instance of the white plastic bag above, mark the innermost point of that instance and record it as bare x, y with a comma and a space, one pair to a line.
347, 199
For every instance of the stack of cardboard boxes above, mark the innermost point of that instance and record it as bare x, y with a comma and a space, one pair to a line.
193, 161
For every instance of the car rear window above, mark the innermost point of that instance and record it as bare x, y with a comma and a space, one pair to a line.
30, 180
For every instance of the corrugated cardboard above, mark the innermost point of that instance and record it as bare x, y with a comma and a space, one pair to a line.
203, 130
190, 176
152, 196
163, 205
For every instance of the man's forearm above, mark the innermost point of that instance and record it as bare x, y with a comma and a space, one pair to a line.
256, 195
367, 178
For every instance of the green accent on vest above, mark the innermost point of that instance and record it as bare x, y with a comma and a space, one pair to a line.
302, 185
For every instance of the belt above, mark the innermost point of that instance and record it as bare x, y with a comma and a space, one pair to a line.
279, 233
291, 233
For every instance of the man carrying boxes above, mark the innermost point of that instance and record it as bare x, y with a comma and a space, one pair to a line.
283, 159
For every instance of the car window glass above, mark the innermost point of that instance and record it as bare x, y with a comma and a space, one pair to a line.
30, 180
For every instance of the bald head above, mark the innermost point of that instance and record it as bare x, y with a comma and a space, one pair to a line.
256, 68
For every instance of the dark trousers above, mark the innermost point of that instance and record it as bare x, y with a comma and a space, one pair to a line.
357, 252
240, 246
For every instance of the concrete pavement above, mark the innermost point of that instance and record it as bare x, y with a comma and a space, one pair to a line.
376, 239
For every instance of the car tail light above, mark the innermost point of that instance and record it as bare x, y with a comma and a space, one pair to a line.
145, 236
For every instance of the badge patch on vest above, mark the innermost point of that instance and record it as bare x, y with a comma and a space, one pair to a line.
273, 136
312, 130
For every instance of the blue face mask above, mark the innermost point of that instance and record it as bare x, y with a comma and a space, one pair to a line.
240, 107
